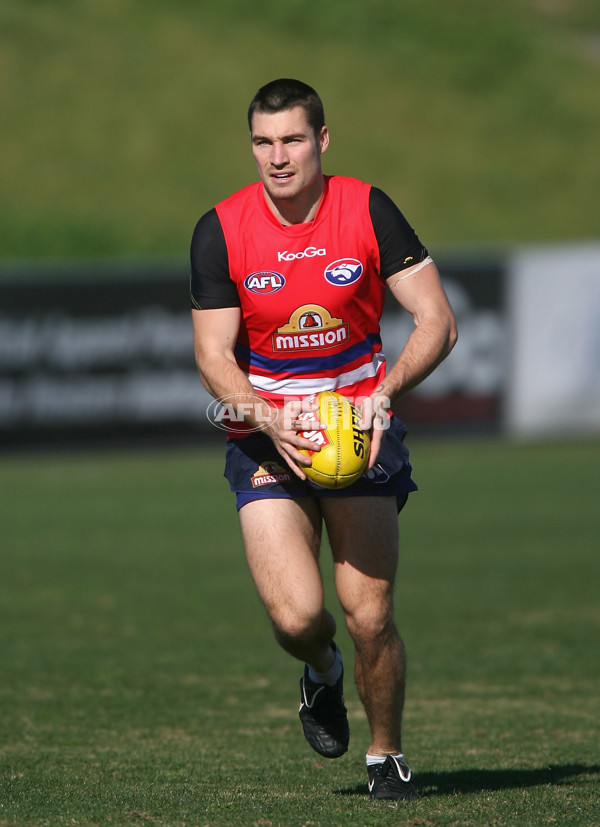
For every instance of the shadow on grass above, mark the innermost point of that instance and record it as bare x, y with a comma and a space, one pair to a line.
474, 780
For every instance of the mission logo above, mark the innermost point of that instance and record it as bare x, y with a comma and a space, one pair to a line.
269, 473
310, 326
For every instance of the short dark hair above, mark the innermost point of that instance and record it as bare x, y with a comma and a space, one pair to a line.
285, 93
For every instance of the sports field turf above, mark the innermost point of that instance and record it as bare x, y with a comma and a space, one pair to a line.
122, 122
139, 683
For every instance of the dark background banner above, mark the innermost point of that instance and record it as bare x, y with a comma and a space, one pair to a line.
108, 359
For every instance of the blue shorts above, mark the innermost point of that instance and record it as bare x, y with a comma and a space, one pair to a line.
256, 470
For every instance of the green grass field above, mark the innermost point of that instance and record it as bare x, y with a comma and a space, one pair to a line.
122, 122
139, 683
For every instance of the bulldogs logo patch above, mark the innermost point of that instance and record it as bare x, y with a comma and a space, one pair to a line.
344, 271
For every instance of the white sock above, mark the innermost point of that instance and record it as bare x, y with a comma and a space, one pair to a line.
333, 674
379, 759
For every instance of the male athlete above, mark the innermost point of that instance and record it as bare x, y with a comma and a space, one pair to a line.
288, 282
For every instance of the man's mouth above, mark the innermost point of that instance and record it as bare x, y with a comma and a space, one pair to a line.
282, 176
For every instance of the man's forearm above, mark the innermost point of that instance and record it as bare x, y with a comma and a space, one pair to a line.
427, 346
224, 380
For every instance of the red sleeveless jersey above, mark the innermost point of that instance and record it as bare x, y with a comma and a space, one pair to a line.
311, 294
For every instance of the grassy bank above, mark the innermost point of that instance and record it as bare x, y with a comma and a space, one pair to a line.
124, 121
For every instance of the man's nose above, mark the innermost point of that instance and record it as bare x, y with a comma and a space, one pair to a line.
279, 156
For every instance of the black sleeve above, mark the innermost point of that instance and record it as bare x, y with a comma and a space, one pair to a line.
399, 246
210, 284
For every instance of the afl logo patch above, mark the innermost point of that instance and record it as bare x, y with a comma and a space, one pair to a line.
265, 281
343, 271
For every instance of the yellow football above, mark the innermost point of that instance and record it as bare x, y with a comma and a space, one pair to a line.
344, 445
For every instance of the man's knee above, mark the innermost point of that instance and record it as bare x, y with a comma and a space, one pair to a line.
371, 623
302, 626
293, 627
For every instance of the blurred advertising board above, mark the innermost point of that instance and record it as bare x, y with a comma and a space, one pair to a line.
465, 394
554, 306
102, 354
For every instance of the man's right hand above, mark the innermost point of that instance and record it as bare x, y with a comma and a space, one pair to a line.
286, 432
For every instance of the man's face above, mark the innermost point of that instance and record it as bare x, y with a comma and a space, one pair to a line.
287, 153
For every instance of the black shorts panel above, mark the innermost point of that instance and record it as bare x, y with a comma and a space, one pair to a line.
256, 470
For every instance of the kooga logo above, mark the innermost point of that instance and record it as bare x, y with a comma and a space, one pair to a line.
310, 252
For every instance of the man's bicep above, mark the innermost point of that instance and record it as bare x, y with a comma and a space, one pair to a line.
420, 291
215, 331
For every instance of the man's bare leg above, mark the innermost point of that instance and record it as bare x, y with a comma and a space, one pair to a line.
282, 539
363, 533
